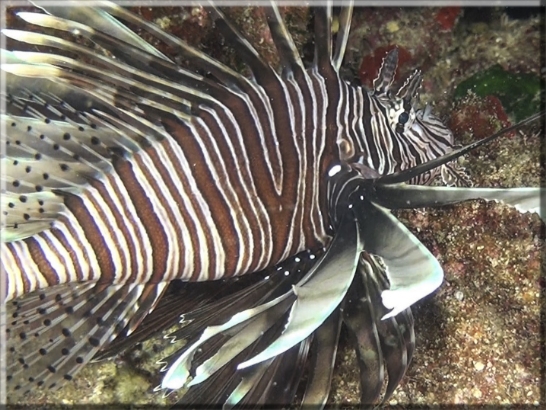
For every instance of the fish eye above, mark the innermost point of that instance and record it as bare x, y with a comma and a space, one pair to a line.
403, 118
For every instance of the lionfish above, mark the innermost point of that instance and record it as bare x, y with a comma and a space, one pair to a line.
141, 190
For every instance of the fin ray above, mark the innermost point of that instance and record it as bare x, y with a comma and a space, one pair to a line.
361, 318
320, 292
70, 322
224, 74
325, 341
99, 20
260, 69
345, 17
400, 196
413, 272
323, 38
288, 53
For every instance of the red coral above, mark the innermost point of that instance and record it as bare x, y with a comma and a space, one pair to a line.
369, 68
447, 16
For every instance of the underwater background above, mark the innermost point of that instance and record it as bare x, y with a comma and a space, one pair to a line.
478, 337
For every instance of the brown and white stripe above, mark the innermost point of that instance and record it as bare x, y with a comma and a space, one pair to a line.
224, 184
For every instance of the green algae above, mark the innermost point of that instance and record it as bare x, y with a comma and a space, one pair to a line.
519, 93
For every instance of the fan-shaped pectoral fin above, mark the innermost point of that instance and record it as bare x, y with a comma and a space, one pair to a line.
398, 196
323, 356
320, 291
248, 324
248, 381
413, 272
359, 317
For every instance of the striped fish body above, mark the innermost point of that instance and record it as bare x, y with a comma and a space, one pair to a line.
230, 184
171, 175
239, 188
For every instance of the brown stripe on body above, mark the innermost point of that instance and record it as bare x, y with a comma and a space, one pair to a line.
256, 177
238, 187
333, 94
77, 272
93, 234
41, 260
121, 220
283, 131
20, 264
246, 121
261, 177
312, 121
312, 220
71, 243
145, 211
369, 132
220, 210
330, 152
299, 141
290, 164
240, 110
167, 179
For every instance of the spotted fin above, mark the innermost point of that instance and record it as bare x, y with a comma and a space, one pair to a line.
27, 214
54, 148
54, 332
25, 91
42, 159
45, 159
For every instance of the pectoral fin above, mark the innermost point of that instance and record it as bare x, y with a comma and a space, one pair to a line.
321, 291
398, 196
413, 272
